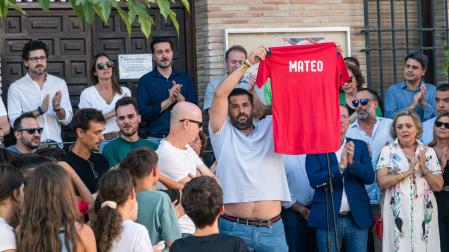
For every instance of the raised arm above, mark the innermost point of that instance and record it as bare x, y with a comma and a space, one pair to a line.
219, 110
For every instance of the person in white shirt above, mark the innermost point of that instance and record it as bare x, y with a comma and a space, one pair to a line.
116, 208
4, 124
104, 93
11, 195
43, 94
177, 160
253, 176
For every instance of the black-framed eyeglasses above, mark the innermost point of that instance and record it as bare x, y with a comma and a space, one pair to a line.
36, 59
362, 101
192, 121
92, 168
31, 131
439, 124
108, 63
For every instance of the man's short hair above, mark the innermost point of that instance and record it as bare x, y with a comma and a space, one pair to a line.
139, 162
420, 57
241, 91
371, 92
160, 40
202, 200
443, 88
124, 101
237, 48
18, 122
83, 117
31, 46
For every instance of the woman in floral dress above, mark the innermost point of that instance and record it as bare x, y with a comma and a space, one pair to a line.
409, 172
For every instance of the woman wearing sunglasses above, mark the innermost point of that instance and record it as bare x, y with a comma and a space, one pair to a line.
409, 172
104, 93
350, 88
440, 144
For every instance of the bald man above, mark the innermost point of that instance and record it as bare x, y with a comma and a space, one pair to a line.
177, 160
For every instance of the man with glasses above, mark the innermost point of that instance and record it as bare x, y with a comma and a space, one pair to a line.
375, 132
159, 90
88, 125
27, 133
412, 94
442, 105
44, 95
177, 160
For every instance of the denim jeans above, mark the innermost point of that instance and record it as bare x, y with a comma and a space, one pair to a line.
300, 237
355, 238
258, 239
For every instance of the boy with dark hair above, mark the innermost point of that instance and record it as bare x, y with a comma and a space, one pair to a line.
155, 211
202, 200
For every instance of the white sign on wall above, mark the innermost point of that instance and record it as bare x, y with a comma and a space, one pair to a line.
133, 66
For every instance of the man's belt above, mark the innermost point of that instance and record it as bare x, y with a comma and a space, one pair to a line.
254, 222
110, 135
345, 214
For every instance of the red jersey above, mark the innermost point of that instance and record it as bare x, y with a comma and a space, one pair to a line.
305, 81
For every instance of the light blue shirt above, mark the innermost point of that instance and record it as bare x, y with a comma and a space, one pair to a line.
380, 136
213, 84
14, 149
427, 134
298, 183
399, 97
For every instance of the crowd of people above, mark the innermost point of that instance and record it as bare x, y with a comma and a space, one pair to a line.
115, 190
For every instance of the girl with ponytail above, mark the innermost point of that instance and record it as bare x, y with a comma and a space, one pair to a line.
116, 211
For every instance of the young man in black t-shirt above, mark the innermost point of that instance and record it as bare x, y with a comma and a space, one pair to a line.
202, 200
88, 125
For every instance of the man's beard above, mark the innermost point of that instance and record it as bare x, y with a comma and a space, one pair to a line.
128, 133
164, 64
29, 144
248, 123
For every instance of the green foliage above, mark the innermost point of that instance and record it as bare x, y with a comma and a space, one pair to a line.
446, 59
88, 9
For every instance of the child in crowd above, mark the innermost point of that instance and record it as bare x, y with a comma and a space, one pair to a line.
11, 196
156, 211
116, 209
202, 200
49, 213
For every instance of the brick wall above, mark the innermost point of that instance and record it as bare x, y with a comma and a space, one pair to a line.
213, 16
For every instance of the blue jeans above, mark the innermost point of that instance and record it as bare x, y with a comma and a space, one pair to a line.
258, 239
355, 238
300, 237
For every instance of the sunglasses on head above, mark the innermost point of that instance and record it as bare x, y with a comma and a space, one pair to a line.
362, 101
108, 63
439, 124
31, 131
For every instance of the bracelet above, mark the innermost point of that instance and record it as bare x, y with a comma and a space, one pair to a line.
400, 176
246, 64
427, 173
39, 109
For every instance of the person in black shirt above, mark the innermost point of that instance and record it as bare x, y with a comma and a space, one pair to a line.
88, 125
202, 200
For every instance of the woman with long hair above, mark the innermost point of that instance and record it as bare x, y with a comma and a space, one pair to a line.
104, 92
409, 172
116, 209
49, 214
11, 196
440, 144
